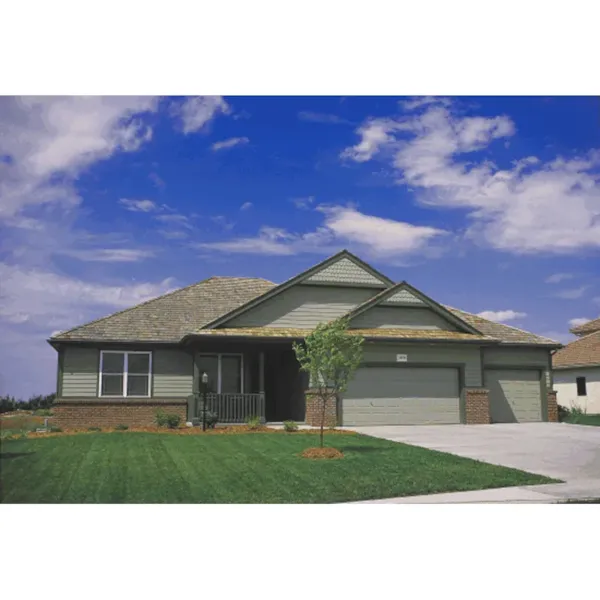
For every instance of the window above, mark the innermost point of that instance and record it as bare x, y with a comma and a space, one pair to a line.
225, 372
125, 374
581, 386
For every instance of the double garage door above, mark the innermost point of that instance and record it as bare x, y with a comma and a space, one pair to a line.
402, 396
424, 395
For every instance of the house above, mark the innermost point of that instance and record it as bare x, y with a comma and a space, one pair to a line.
577, 370
423, 363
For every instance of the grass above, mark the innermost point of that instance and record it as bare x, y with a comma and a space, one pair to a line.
244, 468
583, 419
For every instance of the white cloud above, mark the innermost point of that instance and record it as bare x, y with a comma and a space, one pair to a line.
175, 219
520, 209
229, 143
110, 254
195, 114
420, 102
139, 205
34, 303
314, 117
578, 321
572, 294
370, 235
303, 203
501, 316
46, 137
246, 206
559, 277
374, 135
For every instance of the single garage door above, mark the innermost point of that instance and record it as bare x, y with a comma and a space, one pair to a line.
402, 396
515, 395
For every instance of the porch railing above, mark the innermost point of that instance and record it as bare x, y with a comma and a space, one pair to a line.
236, 408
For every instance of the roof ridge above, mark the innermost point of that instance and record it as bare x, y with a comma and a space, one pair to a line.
120, 312
587, 336
503, 324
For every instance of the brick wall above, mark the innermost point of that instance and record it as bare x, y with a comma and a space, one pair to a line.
552, 407
477, 406
314, 410
81, 415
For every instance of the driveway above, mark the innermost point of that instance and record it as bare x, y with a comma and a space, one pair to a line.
567, 452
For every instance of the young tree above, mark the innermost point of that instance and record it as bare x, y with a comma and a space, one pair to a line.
330, 355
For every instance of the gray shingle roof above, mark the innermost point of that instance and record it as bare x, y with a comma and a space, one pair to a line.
506, 333
168, 318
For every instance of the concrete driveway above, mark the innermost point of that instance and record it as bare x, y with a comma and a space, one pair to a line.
567, 452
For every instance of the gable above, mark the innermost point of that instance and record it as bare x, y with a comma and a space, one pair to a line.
403, 297
345, 272
401, 317
303, 306
391, 309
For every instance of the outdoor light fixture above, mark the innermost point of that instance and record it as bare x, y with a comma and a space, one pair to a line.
204, 379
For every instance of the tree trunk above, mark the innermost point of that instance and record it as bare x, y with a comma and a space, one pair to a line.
324, 402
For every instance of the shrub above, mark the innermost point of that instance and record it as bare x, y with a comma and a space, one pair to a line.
173, 421
55, 429
121, 427
563, 413
253, 422
42, 412
94, 429
170, 420
290, 426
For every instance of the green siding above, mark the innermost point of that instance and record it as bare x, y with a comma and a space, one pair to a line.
304, 307
397, 317
538, 358
430, 354
173, 373
80, 372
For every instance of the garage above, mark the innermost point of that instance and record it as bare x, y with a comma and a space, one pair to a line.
402, 396
515, 395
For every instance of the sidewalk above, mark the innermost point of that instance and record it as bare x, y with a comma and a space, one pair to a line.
552, 493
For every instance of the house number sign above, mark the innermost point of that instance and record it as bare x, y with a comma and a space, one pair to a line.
401, 357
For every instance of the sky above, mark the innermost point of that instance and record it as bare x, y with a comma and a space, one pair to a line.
488, 204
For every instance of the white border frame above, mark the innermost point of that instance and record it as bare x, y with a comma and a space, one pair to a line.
219, 356
126, 372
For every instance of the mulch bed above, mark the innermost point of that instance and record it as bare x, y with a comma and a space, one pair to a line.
224, 430
320, 453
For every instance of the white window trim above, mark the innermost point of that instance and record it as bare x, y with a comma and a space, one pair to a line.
219, 356
125, 373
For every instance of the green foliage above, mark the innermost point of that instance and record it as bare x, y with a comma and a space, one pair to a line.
122, 427
10, 403
55, 429
330, 355
94, 429
43, 412
170, 420
290, 426
253, 422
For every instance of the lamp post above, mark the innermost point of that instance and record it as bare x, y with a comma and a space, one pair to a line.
204, 384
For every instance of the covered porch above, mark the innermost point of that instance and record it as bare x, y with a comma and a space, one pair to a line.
248, 378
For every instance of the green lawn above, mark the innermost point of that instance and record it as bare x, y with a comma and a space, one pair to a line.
582, 419
243, 468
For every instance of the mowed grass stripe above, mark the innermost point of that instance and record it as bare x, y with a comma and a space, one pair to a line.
244, 468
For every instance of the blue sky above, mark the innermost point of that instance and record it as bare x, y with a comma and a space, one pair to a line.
487, 204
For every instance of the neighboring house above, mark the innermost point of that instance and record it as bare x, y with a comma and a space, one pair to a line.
577, 369
423, 362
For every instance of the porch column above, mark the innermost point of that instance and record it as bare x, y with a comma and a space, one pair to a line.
261, 372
